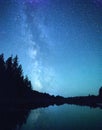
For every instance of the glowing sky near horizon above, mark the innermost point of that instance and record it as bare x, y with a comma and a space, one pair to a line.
59, 43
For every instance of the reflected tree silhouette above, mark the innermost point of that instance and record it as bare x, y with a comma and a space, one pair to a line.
13, 119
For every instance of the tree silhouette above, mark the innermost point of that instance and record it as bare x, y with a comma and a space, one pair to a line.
100, 91
16, 89
2, 75
13, 85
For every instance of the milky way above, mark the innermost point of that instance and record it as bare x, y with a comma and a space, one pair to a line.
38, 44
58, 42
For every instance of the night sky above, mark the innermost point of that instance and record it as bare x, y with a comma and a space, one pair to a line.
58, 42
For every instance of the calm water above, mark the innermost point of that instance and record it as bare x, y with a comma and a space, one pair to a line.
65, 117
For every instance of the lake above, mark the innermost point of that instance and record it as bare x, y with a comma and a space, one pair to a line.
64, 117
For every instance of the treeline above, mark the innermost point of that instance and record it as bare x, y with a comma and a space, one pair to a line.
16, 89
13, 85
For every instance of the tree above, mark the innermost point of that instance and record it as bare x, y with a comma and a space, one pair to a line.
2, 75
100, 91
15, 62
9, 63
27, 82
2, 63
13, 84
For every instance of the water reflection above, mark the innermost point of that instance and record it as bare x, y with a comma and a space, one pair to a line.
65, 117
13, 119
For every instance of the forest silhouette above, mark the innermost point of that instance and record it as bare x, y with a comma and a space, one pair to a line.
16, 90
13, 85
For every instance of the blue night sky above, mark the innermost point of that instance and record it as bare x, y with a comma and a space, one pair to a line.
58, 42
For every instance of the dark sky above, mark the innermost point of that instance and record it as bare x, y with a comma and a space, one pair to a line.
59, 43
